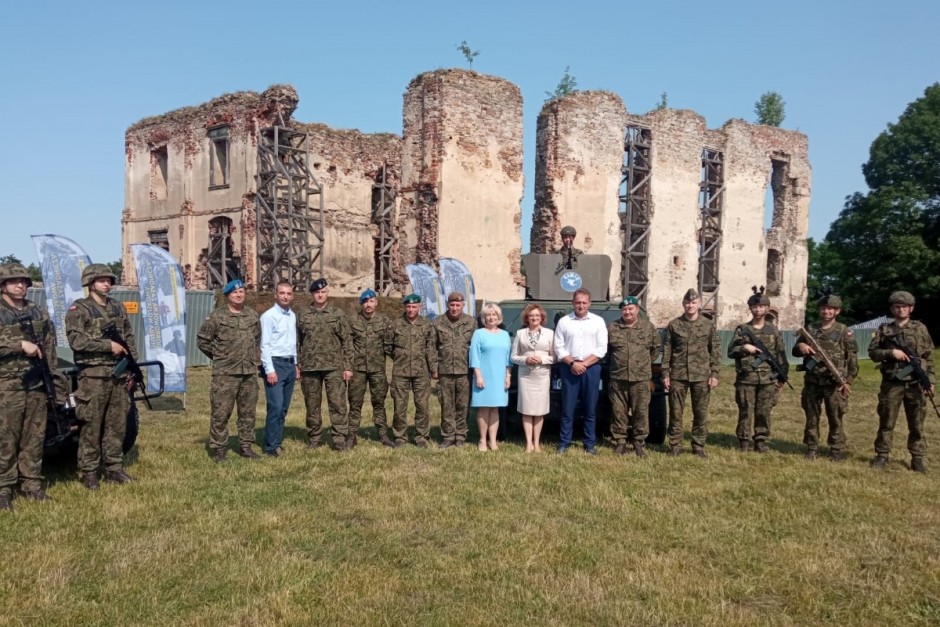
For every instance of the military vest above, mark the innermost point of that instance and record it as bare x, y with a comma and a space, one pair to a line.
98, 320
11, 332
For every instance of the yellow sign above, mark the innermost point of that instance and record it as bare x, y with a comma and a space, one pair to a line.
132, 307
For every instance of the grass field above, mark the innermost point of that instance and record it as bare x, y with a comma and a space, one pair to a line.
409, 536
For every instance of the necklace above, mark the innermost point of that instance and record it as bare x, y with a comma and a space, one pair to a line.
533, 338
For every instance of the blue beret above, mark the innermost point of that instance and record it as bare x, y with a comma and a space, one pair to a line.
366, 295
233, 285
318, 285
629, 300
411, 298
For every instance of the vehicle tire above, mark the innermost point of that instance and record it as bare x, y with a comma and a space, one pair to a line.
658, 422
132, 428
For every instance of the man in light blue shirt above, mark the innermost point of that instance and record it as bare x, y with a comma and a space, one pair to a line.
279, 360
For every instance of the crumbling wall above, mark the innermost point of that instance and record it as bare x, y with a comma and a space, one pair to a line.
462, 181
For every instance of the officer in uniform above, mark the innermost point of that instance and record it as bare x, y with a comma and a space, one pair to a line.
103, 397
820, 386
231, 337
756, 385
569, 254
452, 334
23, 400
691, 363
368, 332
899, 384
325, 361
632, 347
414, 364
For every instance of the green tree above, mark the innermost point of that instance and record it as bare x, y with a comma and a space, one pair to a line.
769, 109
32, 269
468, 53
117, 267
567, 85
887, 239
663, 102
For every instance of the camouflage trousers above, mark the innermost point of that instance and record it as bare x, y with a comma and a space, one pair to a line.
629, 410
701, 394
378, 390
227, 392
454, 390
312, 384
813, 399
891, 396
102, 408
755, 403
421, 388
22, 432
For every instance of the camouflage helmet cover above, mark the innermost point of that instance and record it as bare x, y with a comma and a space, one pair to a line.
759, 297
13, 270
901, 298
97, 271
830, 300
568, 231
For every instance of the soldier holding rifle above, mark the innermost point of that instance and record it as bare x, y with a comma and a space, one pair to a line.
830, 360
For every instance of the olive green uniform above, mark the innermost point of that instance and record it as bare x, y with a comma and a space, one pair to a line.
324, 352
452, 342
368, 337
102, 400
231, 341
820, 387
631, 352
22, 403
899, 385
414, 360
755, 387
691, 356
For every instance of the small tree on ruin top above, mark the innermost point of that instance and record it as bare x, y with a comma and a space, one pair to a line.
769, 109
567, 85
467, 52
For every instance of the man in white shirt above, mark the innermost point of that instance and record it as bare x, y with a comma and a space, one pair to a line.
580, 345
279, 360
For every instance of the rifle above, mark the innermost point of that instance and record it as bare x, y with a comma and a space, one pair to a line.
917, 368
765, 355
805, 335
39, 367
109, 331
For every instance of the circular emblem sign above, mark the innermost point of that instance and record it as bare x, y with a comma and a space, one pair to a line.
570, 281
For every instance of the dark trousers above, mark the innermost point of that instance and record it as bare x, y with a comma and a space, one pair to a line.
586, 388
278, 400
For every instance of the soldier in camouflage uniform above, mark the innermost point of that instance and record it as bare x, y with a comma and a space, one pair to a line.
368, 333
755, 385
103, 397
452, 334
23, 400
325, 361
632, 347
231, 337
820, 386
414, 364
691, 363
898, 382
569, 254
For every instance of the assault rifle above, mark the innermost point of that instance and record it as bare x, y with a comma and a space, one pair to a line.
821, 354
765, 355
917, 368
109, 331
39, 367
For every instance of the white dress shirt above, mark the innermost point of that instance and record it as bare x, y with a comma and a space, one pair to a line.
278, 336
580, 337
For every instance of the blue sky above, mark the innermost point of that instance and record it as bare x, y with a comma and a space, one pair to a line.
76, 74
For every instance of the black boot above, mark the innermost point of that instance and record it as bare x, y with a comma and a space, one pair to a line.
118, 476
248, 453
90, 480
6, 502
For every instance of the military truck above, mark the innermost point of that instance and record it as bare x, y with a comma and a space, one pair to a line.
551, 281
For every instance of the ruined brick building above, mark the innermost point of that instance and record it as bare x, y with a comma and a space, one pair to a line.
237, 187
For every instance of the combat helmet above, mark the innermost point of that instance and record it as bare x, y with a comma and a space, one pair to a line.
568, 231
13, 270
97, 271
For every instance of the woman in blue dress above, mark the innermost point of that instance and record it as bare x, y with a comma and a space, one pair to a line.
489, 358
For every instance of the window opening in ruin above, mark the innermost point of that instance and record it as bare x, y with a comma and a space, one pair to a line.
383, 206
159, 167
775, 204
290, 209
218, 157
635, 210
222, 264
160, 238
710, 204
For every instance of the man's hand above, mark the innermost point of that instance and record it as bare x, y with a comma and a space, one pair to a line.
845, 390
805, 349
31, 350
578, 368
898, 355
116, 349
271, 378
750, 349
712, 383
666, 383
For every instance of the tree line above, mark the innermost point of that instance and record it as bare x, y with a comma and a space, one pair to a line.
36, 274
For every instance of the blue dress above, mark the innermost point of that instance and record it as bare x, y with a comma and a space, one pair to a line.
490, 353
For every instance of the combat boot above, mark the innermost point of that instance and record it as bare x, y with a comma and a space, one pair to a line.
761, 447
836, 456
675, 450
248, 453
339, 445
917, 465
90, 480
700, 453
313, 444
638, 449
621, 449
219, 455
811, 454
387, 441
447, 444
118, 476
745, 445
6, 502
36, 495
351, 441
879, 463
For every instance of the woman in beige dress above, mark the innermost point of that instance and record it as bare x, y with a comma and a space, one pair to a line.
532, 351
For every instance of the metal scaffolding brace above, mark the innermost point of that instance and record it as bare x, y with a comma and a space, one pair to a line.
634, 209
711, 201
290, 210
383, 207
221, 265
